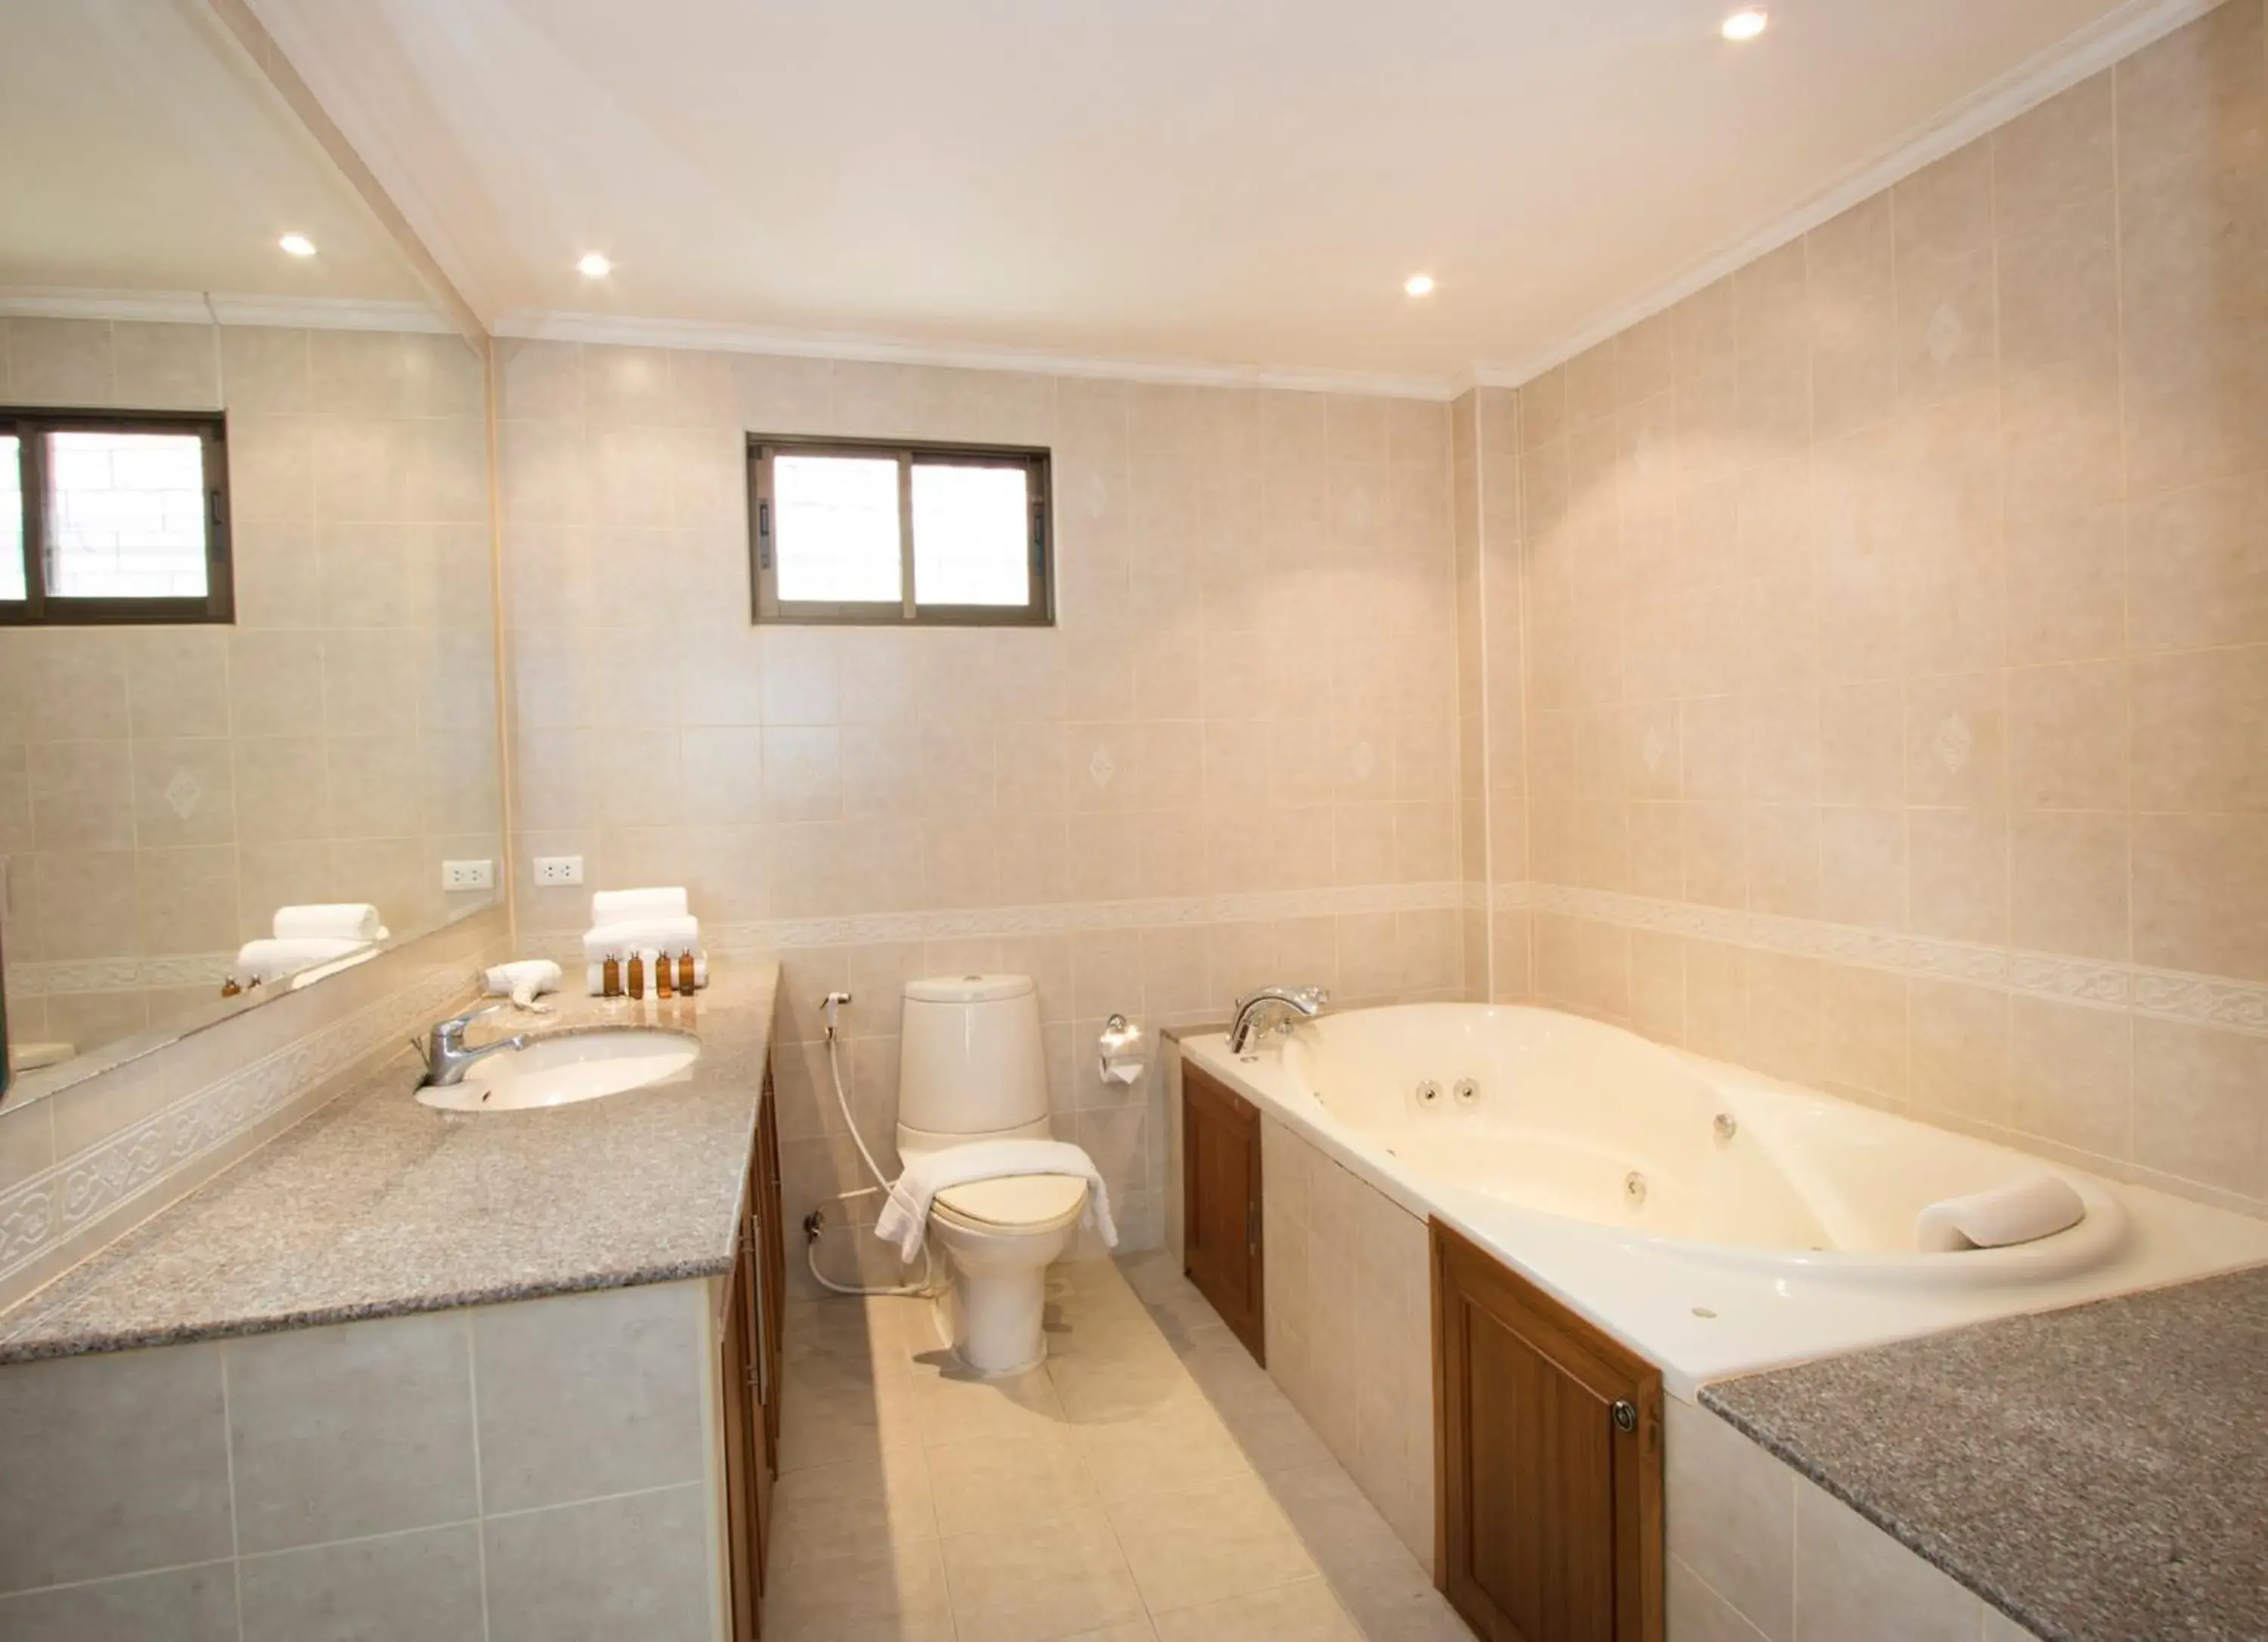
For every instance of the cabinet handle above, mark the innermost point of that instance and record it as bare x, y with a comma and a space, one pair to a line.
1625, 1413
1251, 1228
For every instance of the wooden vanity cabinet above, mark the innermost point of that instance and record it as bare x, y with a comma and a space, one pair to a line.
1548, 1457
1221, 1204
749, 1358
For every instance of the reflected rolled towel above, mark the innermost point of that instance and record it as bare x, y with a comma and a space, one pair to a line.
622, 906
270, 961
669, 934
338, 920
2024, 1211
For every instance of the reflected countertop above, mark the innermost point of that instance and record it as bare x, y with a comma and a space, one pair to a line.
377, 1205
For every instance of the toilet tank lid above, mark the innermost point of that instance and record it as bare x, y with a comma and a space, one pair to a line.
967, 989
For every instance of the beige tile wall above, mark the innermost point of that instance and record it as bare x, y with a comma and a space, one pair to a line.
1234, 759
542, 1469
1909, 581
1349, 1277
1759, 1554
338, 741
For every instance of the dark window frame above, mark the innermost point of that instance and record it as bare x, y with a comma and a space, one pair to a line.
40, 608
765, 604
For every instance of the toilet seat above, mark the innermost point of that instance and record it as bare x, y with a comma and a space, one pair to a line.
1011, 1203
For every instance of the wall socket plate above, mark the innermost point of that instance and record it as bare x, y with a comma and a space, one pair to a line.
460, 876
558, 869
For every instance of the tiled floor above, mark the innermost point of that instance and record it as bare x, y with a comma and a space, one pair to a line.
1149, 1484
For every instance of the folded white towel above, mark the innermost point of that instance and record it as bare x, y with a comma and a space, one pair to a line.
905, 1216
269, 961
670, 935
620, 906
2028, 1208
595, 976
523, 982
338, 920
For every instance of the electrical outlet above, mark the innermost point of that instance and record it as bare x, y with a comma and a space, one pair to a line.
456, 875
558, 869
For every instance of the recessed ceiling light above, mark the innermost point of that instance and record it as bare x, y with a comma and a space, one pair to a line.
1747, 25
1418, 284
594, 265
296, 245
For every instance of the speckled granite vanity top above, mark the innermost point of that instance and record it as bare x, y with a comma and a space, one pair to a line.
377, 1205
2100, 1473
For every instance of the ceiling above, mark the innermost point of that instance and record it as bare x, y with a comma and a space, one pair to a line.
1241, 183
141, 152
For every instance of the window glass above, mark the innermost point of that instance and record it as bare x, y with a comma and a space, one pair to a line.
835, 529
125, 516
972, 527
11, 518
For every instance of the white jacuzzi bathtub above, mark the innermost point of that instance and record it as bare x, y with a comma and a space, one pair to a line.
1715, 1219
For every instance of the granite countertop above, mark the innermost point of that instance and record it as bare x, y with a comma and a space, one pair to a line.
2099, 1474
376, 1205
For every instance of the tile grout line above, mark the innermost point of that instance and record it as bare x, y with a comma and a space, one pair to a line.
480, 1492
235, 1534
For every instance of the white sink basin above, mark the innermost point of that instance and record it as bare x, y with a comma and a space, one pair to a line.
570, 1067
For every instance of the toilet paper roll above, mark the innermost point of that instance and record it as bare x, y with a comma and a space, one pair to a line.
1118, 1051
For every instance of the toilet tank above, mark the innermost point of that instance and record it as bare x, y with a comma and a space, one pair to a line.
969, 1058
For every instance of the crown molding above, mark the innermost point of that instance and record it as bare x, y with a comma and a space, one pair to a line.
556, 325
2118, 35
198, 307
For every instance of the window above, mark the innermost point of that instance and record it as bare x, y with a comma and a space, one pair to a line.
846, 531
113, 517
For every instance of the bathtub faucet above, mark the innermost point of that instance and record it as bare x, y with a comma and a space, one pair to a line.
1278, 1001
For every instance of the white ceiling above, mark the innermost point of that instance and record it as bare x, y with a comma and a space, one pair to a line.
1235, 183
140, 152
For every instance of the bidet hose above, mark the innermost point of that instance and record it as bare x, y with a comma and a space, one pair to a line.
811, 1243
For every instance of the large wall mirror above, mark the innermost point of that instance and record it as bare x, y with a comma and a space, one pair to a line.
247, 679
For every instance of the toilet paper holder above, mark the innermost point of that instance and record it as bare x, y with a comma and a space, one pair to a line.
1118, 1051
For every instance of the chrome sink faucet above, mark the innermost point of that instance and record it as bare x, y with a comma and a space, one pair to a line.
1279, 1002
446, 1058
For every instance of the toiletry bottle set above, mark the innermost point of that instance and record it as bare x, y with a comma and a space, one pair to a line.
671, 973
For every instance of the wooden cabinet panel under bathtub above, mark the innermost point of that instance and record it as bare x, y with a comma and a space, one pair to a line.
1222, 1253
1548, 1462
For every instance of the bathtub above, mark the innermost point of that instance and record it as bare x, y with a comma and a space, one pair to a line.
1717, 1220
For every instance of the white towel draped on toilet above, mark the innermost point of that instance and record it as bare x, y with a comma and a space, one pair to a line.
905, 1216
2025, 1210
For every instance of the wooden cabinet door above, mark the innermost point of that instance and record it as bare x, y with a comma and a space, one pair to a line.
1221, 1204
1548, 1462
771, 1242
743, 1425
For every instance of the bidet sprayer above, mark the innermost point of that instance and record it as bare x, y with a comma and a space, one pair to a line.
832, 1006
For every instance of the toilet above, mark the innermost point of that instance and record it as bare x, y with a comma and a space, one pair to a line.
970, 1067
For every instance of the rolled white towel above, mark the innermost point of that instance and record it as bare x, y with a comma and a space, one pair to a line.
595, 976
337, 920
2026, 1208
621, 906
270, 961
670, 934
522, 982
904, 1218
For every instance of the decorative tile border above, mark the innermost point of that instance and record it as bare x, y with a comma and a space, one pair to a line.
118, 975
2172, 995
45, 1212
1056, 918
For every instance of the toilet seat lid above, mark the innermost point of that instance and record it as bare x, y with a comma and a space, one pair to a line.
1014, 1199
